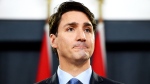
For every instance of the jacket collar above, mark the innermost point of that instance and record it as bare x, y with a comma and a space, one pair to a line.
95, 79
53, 80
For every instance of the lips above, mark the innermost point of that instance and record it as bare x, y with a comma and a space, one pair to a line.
80, 45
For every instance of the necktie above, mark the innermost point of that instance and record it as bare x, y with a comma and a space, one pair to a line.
74, 81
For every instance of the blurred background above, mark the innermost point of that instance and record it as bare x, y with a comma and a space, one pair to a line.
126, 38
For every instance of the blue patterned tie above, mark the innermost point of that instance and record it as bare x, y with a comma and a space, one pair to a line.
74, 81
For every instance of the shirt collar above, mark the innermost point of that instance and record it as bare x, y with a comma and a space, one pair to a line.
63, 76
84, 77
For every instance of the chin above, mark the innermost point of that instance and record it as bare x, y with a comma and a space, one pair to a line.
83, 56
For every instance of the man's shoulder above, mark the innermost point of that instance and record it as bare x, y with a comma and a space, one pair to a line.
51, 80
110, 81
45, 81
96, 79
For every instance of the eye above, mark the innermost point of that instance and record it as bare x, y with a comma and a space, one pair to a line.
87, 30
70, 29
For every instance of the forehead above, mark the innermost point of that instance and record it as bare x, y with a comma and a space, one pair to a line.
74, 16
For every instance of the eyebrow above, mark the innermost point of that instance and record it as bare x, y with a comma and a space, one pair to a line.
71, 24
75, 24
87, 24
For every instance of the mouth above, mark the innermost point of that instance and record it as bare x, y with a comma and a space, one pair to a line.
80, 45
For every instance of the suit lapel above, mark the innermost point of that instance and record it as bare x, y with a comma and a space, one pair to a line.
53, 80
95, 79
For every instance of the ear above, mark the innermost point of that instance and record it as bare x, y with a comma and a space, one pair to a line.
53, 40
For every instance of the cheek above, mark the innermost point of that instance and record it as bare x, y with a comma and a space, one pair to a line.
64, 42
93, 43
92, 40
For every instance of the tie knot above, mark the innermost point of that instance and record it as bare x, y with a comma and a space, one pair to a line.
74, 81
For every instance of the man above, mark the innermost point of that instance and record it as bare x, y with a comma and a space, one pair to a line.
72, 30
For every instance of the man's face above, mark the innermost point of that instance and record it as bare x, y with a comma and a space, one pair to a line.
75, 37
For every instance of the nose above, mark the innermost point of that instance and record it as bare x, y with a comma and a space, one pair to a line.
81, 36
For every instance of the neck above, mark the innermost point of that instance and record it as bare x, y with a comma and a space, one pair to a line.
74, 69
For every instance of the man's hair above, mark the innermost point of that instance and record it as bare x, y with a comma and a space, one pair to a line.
55, 19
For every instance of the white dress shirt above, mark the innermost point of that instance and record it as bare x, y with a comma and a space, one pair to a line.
64, 77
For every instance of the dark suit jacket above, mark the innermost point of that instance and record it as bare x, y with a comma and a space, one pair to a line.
95, 79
